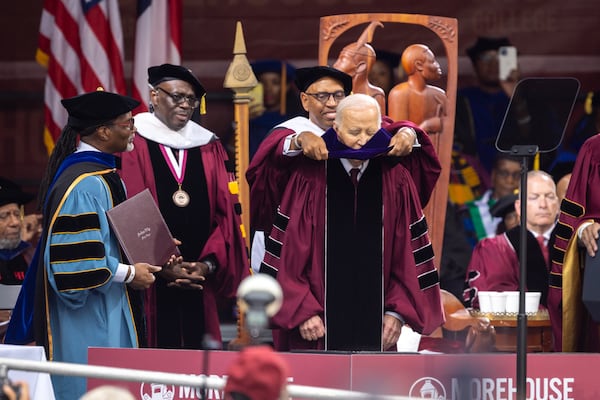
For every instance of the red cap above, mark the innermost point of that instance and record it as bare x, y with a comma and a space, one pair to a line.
258, 373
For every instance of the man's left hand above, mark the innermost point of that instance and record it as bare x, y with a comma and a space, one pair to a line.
391, 331
402, 142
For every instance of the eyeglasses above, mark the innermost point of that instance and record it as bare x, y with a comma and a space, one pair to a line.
323, 97
7, 214
129, 124
179, 98
502, 173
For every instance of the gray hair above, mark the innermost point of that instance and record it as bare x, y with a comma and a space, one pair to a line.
354, 101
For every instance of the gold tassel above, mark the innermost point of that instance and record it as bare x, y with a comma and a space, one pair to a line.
203, 105
588, 103
536, 162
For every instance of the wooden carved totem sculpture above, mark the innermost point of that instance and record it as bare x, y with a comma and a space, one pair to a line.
415, 100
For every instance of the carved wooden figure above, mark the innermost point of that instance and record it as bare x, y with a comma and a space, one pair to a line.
357, 59
331, 27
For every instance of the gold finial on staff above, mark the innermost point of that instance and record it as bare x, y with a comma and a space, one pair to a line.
241, 80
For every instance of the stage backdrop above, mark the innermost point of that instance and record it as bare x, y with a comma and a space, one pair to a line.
431, 376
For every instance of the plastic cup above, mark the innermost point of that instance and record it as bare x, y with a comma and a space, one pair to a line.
485, 303
498, 300
512, 302
532, 302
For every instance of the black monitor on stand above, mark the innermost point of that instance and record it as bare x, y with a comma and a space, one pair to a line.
535, 122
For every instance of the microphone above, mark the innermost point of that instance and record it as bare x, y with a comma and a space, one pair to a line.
259, 297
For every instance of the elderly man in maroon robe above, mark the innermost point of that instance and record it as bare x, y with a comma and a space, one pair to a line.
576, 233
321, 89
349, 244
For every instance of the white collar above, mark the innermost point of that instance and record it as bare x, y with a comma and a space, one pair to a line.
191, 135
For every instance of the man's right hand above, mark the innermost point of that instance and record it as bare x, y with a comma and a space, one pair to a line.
312, 146
312, 329
144, 275
589, 238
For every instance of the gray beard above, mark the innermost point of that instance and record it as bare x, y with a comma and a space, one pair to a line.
9, 244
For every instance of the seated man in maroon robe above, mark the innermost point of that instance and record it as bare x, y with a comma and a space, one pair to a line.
349, 244
495, 261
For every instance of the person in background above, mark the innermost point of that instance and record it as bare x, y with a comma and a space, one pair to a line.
257, 373
279, 102
14, 246
15, 250
480, 109
504, 208
384, 72
186, 169
79, 279
349, 245
478, 221
495, 262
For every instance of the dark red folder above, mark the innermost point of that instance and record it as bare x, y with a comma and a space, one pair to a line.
141, 230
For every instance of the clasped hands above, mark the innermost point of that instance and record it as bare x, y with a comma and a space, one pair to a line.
313, 329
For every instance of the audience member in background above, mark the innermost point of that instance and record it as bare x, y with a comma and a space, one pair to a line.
495, 261
81, 283
505, 178
577, 234
15, 250
14, 247
335, 298
279, 102
480, 109
186, 169
505, 209
384, 72
589, 124
257, 373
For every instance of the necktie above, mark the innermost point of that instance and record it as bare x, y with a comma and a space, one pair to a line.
544, 248
354, 176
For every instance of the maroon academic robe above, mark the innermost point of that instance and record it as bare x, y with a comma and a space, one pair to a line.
269, 171
495, 266
410, 280
581, 204
225, 243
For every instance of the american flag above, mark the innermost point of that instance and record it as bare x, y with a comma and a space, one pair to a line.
81, 45
157, 41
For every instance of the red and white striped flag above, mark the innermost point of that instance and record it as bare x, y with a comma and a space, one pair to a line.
81, 45
157, 41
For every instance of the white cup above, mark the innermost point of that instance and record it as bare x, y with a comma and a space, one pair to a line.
498, 300
485, 303
512, 302
532, 302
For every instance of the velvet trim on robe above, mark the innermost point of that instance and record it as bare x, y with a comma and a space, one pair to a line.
225, 244
411, 287
581, 204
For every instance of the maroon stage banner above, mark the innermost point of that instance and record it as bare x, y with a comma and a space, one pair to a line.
551, 376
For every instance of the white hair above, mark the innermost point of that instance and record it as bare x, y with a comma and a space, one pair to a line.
356, 101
